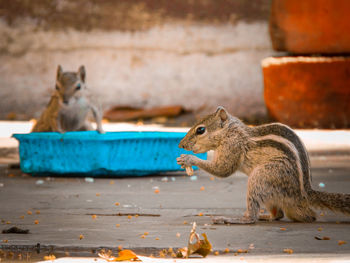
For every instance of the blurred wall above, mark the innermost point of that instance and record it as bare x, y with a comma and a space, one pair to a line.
198, 54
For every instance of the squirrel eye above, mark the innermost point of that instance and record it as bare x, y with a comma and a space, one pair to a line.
200, 130
77, 87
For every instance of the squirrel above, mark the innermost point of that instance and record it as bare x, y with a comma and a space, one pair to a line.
69, 105
273, 157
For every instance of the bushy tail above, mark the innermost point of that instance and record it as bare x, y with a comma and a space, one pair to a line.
336, 202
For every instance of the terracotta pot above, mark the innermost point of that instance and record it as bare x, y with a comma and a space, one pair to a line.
310, 26
308, 92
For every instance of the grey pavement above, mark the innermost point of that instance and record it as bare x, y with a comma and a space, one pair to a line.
147, 222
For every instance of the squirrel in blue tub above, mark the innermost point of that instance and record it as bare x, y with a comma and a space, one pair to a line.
69, 105
273, 157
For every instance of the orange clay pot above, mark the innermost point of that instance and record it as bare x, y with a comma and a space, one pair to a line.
310, 26
308, 92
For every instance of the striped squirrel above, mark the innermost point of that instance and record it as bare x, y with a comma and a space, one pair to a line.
273, 157
69, 105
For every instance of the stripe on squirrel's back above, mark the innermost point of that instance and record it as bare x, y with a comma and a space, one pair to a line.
287, 133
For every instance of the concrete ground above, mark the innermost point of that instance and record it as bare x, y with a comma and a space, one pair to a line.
78, 217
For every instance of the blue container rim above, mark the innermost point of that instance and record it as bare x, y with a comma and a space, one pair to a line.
94, 135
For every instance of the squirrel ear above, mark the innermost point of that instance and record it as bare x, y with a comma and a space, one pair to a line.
222, 113
82, 73
59, 72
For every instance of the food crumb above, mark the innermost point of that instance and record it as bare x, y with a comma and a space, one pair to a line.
157, 238
185, 222
29, 212
200, 214
212, 178
227, 250
117, 225
283, 228
156, 191
178, 234
216, 253
81, 237
319, 229
98, 194
202, 188
143, 236
94, 216
5, 241
37, 212
117, 203
129, 216
36, 222
288, 250
21, 217
326, 238
341, 242
8, 222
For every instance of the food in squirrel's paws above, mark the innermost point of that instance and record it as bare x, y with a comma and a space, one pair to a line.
189, 171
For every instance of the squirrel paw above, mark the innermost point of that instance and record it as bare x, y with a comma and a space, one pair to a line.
233, 220
186, 160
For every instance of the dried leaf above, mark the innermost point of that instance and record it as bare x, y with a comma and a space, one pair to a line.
124, 255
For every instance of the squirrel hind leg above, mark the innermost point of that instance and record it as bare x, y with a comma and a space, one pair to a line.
301, 214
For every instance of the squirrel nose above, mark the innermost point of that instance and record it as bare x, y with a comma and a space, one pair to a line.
181, 145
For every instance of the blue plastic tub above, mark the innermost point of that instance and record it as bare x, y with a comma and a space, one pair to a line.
89, 153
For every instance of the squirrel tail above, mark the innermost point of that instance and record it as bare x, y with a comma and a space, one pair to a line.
335, 202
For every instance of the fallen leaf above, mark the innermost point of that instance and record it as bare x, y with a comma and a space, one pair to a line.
123, 255
49, 257
288, 250
341, 242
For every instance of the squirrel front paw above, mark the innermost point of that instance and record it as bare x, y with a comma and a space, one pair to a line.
186, 160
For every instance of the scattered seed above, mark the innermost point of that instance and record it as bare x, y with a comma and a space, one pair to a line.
200, 214
146, 233
94, 216
81, 237
29, 212
156, 191
117, 225
283, 228
143, 236
117, 203
36, 222
129, 216
227, 250
157, 238
212, 178
216, 253
341, 242
98, 194
185, 222
202, 188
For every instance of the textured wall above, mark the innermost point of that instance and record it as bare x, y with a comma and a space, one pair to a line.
146, 53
